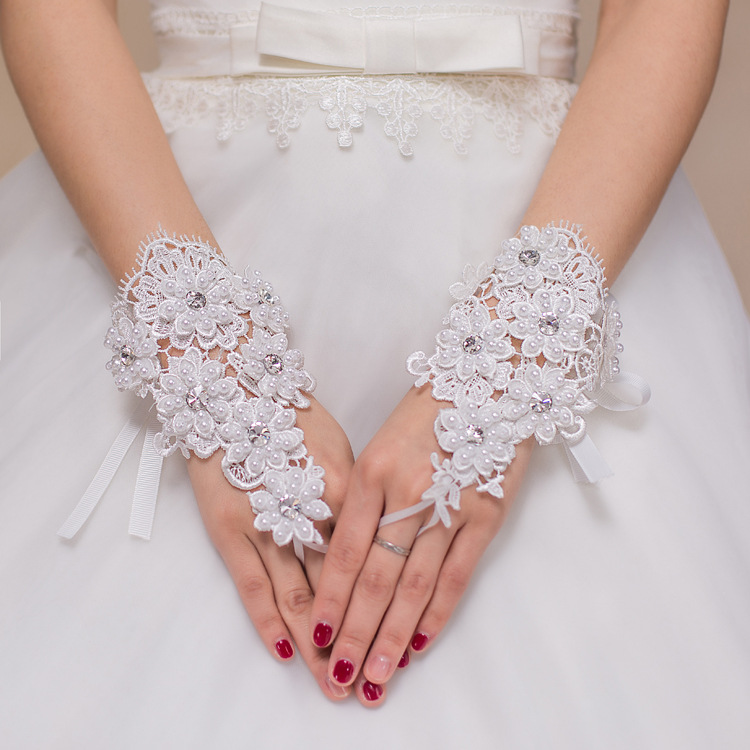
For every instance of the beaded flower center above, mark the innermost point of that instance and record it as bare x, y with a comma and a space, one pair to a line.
290, 507
529, 256
540, 403
273, 363
260, 434
195, 300
549, 324
472, 344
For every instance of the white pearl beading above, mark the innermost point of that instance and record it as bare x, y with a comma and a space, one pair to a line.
230, 381
525, 348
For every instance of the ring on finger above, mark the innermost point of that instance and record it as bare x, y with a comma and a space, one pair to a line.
390, 546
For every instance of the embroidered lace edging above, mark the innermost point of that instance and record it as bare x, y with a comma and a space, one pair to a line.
197, 22
454, 103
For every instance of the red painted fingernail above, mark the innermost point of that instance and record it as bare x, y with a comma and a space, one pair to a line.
419, 641
371, 691
404, 661
322, 634
343, 671
284, 649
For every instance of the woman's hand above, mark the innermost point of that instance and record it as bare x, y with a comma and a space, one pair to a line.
373, 603
274, 587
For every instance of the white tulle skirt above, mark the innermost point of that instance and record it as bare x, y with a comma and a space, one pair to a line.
609, 616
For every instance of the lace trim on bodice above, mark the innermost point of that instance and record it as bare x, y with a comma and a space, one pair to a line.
195, 22
454, 103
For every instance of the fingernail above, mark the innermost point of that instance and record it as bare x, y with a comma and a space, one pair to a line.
380, 668
343, 671
337, 690
404, 660
284, 649
371, 691
419, 641
322, 634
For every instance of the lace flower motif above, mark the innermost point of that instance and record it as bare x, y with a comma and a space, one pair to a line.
533, 256
134, 365
478, 437
259, 435
290, 503
256, 296
187, 293
548, 325
194, 398
540, 401
269, 368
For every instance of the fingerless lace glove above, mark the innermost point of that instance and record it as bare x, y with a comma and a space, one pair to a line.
210, 346
527, 349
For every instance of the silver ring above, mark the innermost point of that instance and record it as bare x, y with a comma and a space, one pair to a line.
403, 551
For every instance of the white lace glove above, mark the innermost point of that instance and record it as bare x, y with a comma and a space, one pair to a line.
527, 350
209, 345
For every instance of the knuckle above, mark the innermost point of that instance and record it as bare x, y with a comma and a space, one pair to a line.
373, 465
455, 579
374, 584
393, 641
253, 587
415, 586
354, 642
297, 601
345, 556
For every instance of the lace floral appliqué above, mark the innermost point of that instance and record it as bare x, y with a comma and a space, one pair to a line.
230, 380
526, 345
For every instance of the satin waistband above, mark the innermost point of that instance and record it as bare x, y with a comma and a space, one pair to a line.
294, 42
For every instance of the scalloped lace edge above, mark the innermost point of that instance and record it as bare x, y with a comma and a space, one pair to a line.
454, 104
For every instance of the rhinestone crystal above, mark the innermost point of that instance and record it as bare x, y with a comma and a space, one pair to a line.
290, 507
195, 300
259, 433
266, 296
472, 344
273, 363
540, 403
194, 398
529, 256
127, 356
474, 434
549, 324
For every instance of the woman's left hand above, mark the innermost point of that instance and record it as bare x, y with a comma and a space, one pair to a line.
373, 603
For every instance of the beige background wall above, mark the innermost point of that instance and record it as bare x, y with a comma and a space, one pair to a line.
718, 161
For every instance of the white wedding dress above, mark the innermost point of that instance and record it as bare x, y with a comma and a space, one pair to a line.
608, 616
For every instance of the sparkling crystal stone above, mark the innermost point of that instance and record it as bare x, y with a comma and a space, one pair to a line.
127, 356
540, 402
194, 398
195, 300
549, 324
273, 363
474, 434
290, 507
265, 296
259, 433
529, 256
472, 344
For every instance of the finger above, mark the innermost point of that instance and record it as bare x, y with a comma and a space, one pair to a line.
294, 600
256, 592
350, 544
413, 592
453, 579
371, 597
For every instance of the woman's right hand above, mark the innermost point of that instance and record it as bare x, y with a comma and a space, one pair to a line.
276, 590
